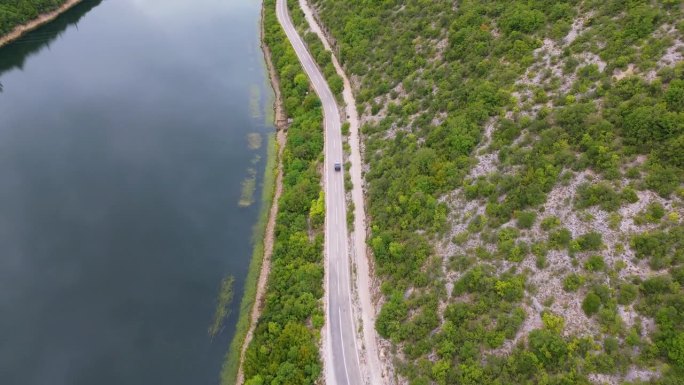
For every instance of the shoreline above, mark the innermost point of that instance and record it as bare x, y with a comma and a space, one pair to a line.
304, 178
42, 19
257, 279
280, 118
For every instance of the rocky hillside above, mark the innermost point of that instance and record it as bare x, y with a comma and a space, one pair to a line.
525, 170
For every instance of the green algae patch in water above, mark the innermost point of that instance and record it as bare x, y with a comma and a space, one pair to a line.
254, 140
225, 299
255, 101
248, 188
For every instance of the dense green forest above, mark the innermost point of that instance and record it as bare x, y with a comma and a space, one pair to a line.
16, 12
525, 185
284, 349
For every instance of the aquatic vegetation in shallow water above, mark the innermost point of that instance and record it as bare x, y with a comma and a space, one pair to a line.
223, 302
248, 188
254, 140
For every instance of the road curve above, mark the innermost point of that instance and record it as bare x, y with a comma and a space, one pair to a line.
342, 354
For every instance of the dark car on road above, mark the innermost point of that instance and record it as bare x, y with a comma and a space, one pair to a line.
338, 166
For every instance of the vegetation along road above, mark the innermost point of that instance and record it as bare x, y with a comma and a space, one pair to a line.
341, 355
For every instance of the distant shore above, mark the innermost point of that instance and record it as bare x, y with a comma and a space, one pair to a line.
44, 18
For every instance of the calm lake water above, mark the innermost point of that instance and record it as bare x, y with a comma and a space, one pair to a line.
127, 129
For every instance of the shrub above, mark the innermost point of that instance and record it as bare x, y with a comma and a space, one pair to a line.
654, 212
540, 261
595, 263
591, 304
601, 194
646, 126
674, 96
590, 241
627, 293
603, 291
336, 84
663, 248
629, 195
640, 21
671, 151
549, 223
572, 282
388, 323
659, 284
525, 219
560, 239
518, 252
549, 347
522, 19
477, 224
675, 349
552, 322
663, 179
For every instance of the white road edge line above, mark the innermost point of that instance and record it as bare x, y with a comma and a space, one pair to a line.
344, 357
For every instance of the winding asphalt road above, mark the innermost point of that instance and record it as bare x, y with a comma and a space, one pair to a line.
342, 351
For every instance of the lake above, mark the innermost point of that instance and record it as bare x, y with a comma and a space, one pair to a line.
127, 131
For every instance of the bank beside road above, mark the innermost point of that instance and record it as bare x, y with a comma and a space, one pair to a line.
44, 18
264, 238
340, 343
284, 345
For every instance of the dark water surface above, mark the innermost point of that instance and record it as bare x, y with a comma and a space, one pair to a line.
123, 147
